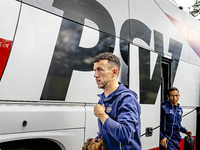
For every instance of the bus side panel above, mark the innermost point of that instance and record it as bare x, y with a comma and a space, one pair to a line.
91, 123
40, 117
187, 27
7, 29
30, 56
8, 18
187, 80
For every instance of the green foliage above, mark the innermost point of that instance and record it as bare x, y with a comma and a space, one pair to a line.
195, 9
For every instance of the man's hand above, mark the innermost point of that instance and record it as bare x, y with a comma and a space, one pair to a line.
99, 111
189, 133
163, 142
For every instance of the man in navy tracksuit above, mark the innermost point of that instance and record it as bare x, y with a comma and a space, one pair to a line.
118, 110
171, 116
122, 127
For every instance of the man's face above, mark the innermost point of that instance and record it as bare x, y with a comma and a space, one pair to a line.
174, 97
103, 73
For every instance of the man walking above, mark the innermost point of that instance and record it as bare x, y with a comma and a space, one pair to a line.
171, 117
118, 110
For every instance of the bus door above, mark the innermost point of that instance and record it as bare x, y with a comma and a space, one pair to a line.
166, 77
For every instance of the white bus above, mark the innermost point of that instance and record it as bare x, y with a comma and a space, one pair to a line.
47, 87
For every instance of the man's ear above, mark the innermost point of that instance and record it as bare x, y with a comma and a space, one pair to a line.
167, 96
115, 71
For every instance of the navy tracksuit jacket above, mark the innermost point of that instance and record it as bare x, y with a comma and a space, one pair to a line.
121, 131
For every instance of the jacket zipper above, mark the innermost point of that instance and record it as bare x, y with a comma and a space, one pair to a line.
173, 121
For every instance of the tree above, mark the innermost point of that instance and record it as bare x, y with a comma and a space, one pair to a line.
195, 9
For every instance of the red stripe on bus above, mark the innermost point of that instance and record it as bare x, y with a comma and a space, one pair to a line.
5, 46
181, 144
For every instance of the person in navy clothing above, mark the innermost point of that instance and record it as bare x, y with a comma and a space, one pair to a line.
171, 117
118, 110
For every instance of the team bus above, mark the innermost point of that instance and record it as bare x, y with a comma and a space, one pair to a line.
47, 85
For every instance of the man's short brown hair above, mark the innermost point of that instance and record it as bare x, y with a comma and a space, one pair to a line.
113, 60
